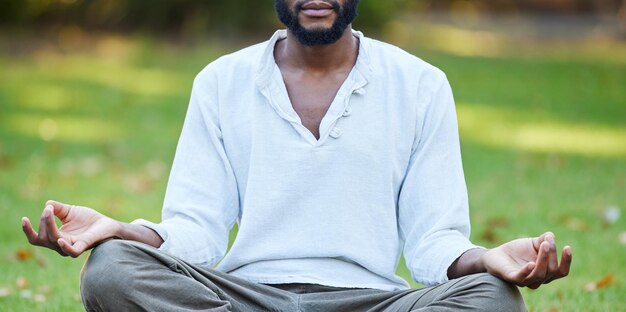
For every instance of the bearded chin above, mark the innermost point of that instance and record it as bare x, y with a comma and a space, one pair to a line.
317, 36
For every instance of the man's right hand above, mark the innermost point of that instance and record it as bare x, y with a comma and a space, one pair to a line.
81, 228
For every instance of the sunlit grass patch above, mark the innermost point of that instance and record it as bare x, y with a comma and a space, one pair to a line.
512, 128
62, 128
481, 37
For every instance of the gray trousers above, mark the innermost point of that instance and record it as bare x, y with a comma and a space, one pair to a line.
129, 276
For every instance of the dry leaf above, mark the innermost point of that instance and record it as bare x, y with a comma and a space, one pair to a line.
21, 282
23, 254
5, 292
553, 309
605, 281
601, 283
489, 235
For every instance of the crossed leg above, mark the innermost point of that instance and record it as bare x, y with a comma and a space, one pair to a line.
128, 276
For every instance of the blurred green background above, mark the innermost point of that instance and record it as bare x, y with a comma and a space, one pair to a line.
93, 96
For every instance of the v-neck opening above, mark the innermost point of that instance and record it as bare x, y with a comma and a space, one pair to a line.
273, 86
335, 110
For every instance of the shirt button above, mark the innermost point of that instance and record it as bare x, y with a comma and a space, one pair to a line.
335, 133
347, 112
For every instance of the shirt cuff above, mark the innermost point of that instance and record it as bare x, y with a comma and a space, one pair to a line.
158, 228
180, 240
432, 268
452, 255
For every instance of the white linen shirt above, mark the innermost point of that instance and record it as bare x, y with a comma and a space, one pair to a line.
385, 175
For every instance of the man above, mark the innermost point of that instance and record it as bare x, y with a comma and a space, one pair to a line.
334, 153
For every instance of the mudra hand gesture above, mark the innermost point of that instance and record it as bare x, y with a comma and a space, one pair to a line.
528, 262
81, 228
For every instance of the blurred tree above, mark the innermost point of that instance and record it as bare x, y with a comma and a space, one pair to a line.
174, 16
621, 17
198, 17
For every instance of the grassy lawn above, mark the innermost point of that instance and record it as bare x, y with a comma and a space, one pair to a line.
96, 124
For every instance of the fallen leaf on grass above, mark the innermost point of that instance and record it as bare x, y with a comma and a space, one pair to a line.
21, 282
605, 281
489, 234
5, 292
553, 309
23, 254
601, 283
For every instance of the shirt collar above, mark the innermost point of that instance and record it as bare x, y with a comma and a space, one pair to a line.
268, 63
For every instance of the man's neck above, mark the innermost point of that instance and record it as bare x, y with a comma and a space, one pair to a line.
290, 53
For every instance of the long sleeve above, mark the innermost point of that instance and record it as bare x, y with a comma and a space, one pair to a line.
201, 202
433, 203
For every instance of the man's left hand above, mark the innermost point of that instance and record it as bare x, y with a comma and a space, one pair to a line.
528, 262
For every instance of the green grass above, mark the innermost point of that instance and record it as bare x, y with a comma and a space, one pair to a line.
543, 139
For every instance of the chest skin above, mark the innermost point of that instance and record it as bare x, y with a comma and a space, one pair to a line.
312, 94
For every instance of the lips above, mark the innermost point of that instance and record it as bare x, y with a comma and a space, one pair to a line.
317, 9
317, 5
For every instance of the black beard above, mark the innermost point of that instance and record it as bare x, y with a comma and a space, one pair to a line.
319, 36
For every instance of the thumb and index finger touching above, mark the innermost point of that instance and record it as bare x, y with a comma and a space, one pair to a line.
52, 208
68, 246
545, 237
64, 245
59, 209
557, 270
548, 237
